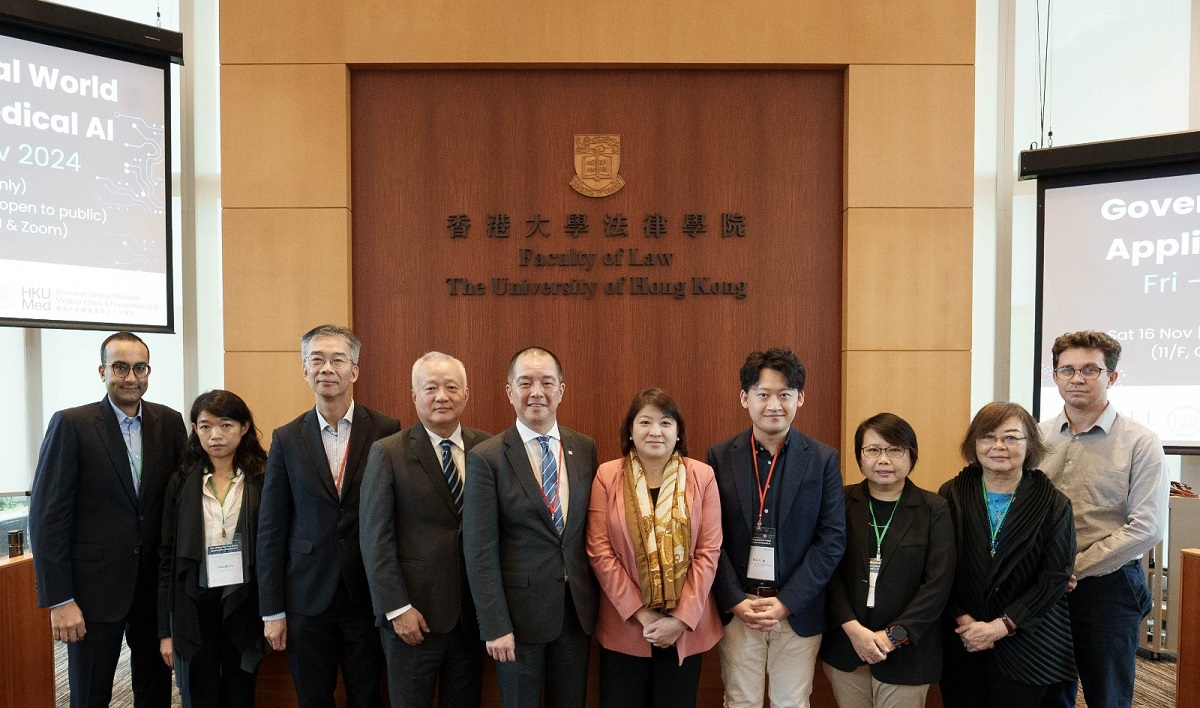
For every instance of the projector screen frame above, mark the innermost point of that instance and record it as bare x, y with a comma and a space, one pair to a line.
119, 40
1108, 162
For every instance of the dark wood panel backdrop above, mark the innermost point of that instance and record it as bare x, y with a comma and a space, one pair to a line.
428, 143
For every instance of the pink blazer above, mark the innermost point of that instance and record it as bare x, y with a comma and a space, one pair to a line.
611, 552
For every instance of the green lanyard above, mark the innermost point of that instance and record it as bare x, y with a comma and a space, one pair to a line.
875, 524
220, 501
995, 527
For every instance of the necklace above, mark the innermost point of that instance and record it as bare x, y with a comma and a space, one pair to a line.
994, 524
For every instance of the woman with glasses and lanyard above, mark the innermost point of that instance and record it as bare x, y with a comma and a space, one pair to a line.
885, 601
1008, 629
208, 619
654, 538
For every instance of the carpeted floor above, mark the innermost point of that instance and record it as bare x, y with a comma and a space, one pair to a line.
1155, 683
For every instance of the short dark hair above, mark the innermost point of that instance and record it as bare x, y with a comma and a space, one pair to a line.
661, 400
121, 336
780, 359
512, 363
1088, 339
892, 428
992, 416
331, 330
249, 457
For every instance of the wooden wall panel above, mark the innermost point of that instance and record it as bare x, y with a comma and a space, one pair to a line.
907, 284
910, 136
266, 253
572, 31
430, 143
928, 389
914, 32
272, 385
27, 672
1187, 670
291, 147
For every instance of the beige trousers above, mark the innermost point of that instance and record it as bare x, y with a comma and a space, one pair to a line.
859, 689
749, 657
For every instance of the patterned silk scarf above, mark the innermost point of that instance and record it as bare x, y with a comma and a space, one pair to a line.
662, 535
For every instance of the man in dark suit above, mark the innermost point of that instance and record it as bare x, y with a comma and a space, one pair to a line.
411, 520
524, 516
95, 522
312, 587
784, 524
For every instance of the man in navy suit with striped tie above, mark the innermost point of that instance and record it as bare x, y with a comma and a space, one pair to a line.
410, 525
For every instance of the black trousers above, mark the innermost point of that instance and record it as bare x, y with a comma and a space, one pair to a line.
345, 635
449, 664
656, 681
214, 678
92, 661
560, 666
974, 681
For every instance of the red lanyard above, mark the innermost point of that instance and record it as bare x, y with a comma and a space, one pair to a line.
337, 482
762, 488
553, 503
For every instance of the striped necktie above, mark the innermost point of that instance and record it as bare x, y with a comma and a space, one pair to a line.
448, 469
550, 482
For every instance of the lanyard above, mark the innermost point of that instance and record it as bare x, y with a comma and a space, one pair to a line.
763, 488
994, 527
553, 503
337, 482
127, 433
875, 525
220, 499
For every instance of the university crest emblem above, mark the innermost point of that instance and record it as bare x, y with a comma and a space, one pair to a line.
597, 159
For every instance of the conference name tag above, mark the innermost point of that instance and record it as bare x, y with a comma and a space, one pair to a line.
873, 577
224, 563
762, 555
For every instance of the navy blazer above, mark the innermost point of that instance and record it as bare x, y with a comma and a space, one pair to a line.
307, 533
516, 560
94, 537
810, 533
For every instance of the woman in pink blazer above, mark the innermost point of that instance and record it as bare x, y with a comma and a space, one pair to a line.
654, 536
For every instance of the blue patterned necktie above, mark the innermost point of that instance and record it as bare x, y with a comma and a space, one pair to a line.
448, 469
550, 482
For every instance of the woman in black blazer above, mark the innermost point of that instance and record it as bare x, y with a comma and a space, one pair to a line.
884, 648
1008, 633
208, 618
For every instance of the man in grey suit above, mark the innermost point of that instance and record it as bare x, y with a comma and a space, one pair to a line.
525, 512
95, 522
312, 588
410, 521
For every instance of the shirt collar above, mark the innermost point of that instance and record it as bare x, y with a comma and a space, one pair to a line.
1104, 422
527, 433
455, 437
349, 417
121, 415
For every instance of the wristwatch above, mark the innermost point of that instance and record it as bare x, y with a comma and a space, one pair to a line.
898, 635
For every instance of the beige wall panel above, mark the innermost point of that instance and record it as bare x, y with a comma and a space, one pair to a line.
401, 31
931, 390
912, 32
285, 271
272, 386
909, 136
907, 279
285, 136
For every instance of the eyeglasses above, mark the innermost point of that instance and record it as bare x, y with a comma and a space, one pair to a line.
337, 362
1089, 373
894, 452
121, 369
1008, 440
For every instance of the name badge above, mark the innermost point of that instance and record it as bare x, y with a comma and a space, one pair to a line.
873, 576
762, 555
224, 563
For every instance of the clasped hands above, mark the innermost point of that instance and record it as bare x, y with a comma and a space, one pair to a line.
871, 646
979, 636
761, 613
659, 629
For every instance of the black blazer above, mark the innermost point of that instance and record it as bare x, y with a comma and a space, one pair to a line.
1027, 580
811, 525
911, 591
183, 553
516, 561
94, 538
307, 534
411, 531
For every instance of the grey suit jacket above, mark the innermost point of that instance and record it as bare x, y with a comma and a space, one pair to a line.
95, 537
411, 531
519, 567
307, 532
